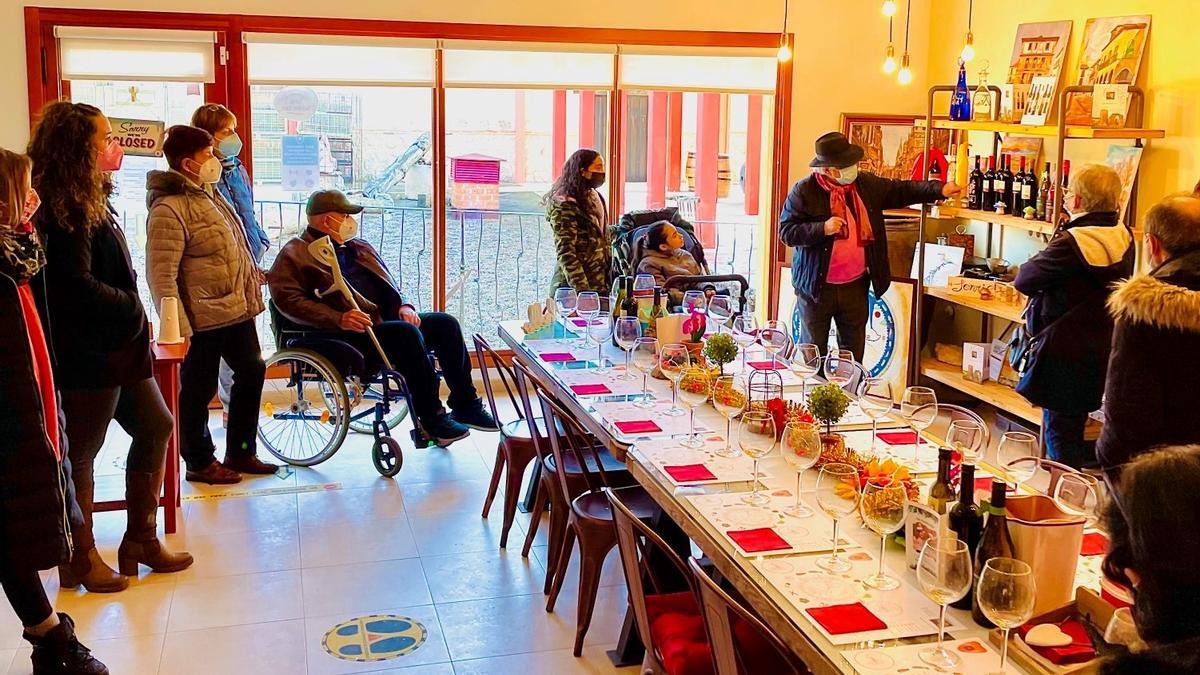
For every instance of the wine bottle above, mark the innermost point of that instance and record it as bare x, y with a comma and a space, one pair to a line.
995, 542
1016, 198
1029, 187
630, 306
1050, 195
961, 168
988, 201
1064, 183
966, 521
1043, 194
960, 101
975, 187
656, 312
940, 493
1002, 182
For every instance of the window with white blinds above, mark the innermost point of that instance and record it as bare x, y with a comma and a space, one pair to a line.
92, 53
698, 69
526, 65
273, 58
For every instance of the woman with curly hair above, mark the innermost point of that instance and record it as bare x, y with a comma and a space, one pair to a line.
101, 339
579, 220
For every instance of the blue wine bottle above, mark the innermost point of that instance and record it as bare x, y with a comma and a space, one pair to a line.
960, 102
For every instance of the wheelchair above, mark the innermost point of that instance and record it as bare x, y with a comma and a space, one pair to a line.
319, 387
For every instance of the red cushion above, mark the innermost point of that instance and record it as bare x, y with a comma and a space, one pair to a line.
677, 629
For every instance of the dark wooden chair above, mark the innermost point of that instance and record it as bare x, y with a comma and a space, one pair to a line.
589, 518
516, 448
741, 643
669, 620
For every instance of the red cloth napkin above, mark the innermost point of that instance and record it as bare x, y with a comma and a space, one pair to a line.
1094, 543
766, 365
758, 540
579, 322
590, 389
899, 437
637, 427
1078, 651
842, 619
687, 473
983, 486
556, 357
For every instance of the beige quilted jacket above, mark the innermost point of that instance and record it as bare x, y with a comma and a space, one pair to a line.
196, 251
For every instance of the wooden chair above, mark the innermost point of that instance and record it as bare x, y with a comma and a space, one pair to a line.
516, 447
669, 621
741, 644
590, 519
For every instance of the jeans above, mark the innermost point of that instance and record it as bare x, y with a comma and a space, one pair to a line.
406, 346
842, 304
27, 596
238, 345
1064, 439
142, 413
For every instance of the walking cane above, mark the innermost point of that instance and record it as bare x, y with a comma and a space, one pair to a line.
322, 251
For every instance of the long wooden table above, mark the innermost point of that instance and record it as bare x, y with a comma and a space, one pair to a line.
791, 625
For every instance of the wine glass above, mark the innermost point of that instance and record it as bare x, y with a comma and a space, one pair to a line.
944, 572
1018, 453
882, 509
966, 436
729, 398
801, 450
839, 367
774, 339
693, 302
875, 400
756, 438
600, 329
745, 333
805, 363
673, 359
643, 285
587, 307
1006, 595
837, 495
627, 331
694, 389
645, 357
918, 405
565, 300
720, 308
1079, 495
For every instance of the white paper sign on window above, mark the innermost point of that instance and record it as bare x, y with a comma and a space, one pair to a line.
301, 157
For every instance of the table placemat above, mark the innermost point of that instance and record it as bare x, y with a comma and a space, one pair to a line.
905, 610
574, 377
665, 453
571, 347
925, 462
726, 512
856, 419
612, 412
977, 658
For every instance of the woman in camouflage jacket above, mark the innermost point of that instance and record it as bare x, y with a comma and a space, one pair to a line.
578, 218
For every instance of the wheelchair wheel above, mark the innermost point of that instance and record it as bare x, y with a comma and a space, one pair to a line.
303, 416
387, 455
362, 412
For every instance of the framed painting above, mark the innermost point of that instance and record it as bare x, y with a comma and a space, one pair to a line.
892, 143
1111, 53
1039, 51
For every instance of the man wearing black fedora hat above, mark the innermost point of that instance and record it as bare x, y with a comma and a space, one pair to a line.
834, 220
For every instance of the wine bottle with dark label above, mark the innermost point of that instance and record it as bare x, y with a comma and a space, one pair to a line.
966, 521
630, 306
995, 542
1001, 183
1029, 186
1043, 194
975, 187
988, 202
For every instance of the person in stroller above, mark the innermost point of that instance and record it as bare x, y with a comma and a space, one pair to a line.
665, 257
297, 277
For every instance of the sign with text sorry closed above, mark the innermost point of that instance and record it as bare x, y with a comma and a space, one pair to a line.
140, 138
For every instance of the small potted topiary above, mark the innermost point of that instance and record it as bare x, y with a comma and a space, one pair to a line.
720, 349
828, 404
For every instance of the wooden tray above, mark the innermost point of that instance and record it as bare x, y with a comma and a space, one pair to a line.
1088, 606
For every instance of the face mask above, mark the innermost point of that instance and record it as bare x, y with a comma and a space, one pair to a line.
348, 229
596, 180
848, 175
32, 202
111, 158
210, 171
230, 146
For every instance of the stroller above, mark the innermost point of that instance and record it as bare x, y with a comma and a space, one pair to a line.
629, 246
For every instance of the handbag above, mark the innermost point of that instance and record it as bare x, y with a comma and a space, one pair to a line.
1018, 348
1055, 369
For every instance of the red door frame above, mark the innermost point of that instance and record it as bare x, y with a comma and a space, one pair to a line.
232, 83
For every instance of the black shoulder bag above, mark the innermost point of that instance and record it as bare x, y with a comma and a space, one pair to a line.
1063, 371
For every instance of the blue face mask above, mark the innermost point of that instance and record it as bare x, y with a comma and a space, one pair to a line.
230, 146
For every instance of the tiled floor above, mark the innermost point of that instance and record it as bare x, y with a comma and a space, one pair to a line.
276, 570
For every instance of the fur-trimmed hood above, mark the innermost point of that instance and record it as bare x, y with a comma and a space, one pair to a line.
1167, 298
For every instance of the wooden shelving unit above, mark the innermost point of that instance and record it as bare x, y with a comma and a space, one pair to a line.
1004, 310
998, 395
1048, 131
1006, 220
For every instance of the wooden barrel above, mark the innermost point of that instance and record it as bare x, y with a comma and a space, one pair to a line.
724, 174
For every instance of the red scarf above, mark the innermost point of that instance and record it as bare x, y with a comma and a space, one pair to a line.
838, 206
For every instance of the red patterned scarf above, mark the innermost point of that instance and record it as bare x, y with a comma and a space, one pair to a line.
838, 206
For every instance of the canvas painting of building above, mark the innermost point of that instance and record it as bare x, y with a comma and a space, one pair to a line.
891, 143
1111, 53
1040, 49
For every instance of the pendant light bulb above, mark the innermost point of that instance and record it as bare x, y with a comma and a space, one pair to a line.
905, 76
889, 7
785, 53
889, 63
968, 50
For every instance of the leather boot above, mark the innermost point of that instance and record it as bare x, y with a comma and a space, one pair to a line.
59, 652
141, 544
89, 569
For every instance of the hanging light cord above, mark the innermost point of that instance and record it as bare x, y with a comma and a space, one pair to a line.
907, 23
783, 32
970, 13
889, 30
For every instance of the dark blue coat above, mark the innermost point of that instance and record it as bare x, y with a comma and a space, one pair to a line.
235, 187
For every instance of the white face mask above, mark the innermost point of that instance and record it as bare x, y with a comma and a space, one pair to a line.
210, 171
348, 229
848, 175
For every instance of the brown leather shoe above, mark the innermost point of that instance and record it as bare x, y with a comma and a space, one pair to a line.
90, 570
251, 465
214, 474
140, 544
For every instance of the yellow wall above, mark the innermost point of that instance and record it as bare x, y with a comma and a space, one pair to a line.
1169, 73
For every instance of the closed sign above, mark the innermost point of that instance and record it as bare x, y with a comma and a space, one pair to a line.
140, 138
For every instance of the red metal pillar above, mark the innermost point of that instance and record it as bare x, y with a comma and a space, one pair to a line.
754, 109
587, 119
674, 139
656, 151
558, 135
708, 127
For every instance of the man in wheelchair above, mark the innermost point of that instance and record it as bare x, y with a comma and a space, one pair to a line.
299, 285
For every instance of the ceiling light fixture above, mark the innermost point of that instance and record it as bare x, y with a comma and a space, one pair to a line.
968, 50
889, 8
889, 62
785, 52
905, 76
